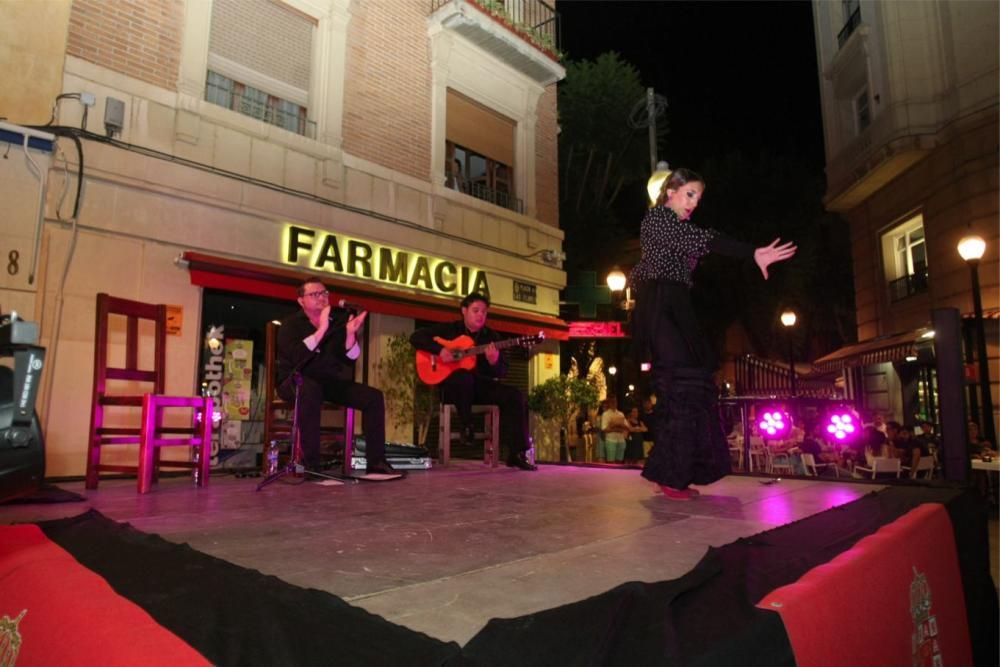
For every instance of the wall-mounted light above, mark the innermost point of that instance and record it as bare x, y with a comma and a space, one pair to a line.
553, 257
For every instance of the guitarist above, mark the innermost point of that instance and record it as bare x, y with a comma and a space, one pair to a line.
480, 386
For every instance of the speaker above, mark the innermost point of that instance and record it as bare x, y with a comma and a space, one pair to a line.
22, 449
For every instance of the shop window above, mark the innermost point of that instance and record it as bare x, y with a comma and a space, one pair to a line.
479, 152
259, 62
905, 256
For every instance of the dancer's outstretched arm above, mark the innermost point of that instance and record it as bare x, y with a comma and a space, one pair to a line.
775, 252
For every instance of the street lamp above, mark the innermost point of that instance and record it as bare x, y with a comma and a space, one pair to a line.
972, 248
788, 320
656, 180
616, 282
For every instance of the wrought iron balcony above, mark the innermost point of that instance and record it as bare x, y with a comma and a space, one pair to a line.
852, 24
494, 196
901, 288
521, 33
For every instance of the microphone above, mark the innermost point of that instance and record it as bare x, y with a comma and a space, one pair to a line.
347, 305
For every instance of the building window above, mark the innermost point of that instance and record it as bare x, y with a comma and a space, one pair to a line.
852, 19
255, 103
259, 62
862, 111
479, 152
905, 255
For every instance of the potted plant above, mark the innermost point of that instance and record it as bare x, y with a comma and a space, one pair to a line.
407, 400
559, 398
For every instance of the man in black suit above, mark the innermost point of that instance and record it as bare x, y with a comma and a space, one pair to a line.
322, 344
464, 388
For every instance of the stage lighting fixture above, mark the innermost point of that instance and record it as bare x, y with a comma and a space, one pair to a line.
774, 423
841, 426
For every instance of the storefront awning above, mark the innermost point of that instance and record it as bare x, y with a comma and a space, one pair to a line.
884, 349
262, 280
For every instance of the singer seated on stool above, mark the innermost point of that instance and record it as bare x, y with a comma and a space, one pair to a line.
480, 385
320, 344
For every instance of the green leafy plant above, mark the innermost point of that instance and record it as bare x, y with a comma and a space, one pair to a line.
408, 401
558, 398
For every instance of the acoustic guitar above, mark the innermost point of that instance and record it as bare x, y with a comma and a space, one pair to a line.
433, 370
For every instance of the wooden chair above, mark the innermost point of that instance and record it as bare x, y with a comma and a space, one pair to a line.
278, 412
490, 435
131, 387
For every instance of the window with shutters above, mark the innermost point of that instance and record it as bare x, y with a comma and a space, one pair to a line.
479, 152
259, 62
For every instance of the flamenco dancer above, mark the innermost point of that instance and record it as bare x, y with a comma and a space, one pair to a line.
689, 446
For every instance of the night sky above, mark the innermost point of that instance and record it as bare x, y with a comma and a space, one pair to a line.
736, 75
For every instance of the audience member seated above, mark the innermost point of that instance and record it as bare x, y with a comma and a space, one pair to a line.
928, 436
909, 449
978, 446
891, 438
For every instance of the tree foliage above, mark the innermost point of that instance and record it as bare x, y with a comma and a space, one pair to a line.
560, 397
601, 152
406, 399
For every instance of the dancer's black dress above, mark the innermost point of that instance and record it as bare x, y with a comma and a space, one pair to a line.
689, 446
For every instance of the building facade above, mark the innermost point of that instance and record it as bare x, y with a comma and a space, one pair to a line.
909, 94
403, 152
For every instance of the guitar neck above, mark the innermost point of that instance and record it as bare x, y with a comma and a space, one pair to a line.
500, 345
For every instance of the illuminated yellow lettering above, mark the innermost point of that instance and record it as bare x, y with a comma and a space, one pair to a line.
442, 282
481, 286
359, 253
465, 280
421, 273
393, 269
329, 252
299, 238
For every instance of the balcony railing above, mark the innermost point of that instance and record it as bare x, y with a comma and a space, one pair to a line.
498, 197
852, 24
534, 20
907, 286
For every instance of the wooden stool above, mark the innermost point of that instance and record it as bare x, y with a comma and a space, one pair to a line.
490, 435
152, 436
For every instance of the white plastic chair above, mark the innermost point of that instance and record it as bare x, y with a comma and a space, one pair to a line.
879, 465
924, 469
813, 468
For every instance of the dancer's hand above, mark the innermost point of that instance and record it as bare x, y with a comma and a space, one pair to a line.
769, 254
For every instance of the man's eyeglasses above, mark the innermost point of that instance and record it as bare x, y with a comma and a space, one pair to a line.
318, 294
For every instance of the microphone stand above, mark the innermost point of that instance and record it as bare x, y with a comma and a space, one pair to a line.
294, 465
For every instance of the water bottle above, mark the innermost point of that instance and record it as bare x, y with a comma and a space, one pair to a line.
272, 457
196, 459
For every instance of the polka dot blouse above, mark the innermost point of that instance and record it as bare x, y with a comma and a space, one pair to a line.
672, 247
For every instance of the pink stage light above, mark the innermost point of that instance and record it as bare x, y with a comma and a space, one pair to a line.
645, 366
774, 424
841, 426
